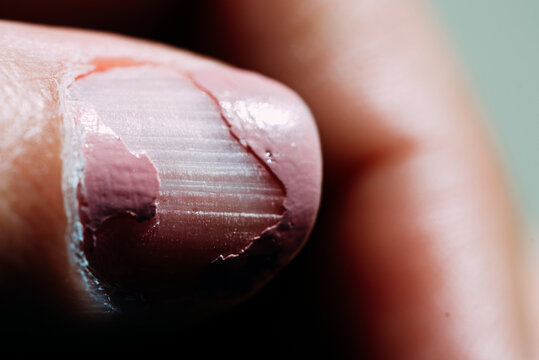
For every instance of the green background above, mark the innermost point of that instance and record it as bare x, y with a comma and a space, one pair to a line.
498, 44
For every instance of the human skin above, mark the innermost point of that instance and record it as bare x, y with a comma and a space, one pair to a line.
141, 237
424, 231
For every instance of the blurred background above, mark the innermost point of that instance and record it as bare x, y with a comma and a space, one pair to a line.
498, 43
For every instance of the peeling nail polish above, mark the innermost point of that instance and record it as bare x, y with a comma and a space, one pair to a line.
189, 186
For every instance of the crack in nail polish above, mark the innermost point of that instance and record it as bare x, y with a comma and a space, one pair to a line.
215, 193
214, 198
244, 143
270, 121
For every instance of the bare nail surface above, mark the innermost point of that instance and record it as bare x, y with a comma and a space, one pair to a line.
175, 203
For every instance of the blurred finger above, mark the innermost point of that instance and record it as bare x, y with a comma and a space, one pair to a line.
427, 239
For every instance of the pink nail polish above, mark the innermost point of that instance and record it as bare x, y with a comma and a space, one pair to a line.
190, 186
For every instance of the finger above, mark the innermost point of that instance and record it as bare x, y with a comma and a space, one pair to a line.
531, 296
134, 175
428, 241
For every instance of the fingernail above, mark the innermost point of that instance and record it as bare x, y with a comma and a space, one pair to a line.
186, 185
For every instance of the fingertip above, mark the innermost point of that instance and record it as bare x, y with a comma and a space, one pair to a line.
122, 111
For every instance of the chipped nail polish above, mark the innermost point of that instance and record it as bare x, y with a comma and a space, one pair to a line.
190, 185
